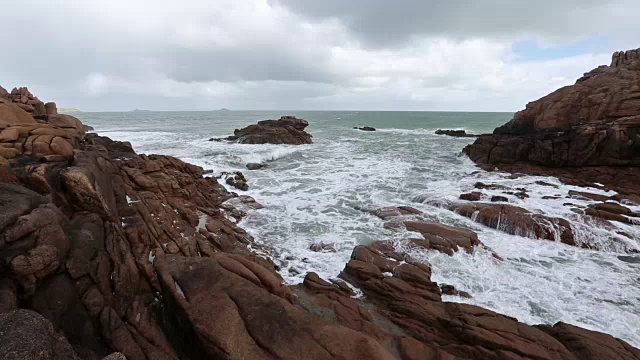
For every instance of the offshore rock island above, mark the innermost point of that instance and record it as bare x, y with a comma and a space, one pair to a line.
107, 253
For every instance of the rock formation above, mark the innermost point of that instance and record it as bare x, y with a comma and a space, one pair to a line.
109, 254
287, 130
454, 133
365, 128
594, 123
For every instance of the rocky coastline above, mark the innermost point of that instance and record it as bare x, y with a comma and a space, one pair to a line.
111, 254
591, 127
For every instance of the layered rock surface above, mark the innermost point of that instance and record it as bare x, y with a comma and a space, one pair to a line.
593, 123
142, 255
286, 130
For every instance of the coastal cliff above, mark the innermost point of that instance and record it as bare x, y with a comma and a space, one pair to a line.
593, 125
104, 250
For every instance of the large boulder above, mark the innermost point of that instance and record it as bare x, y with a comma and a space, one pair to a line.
231, 307
287, 130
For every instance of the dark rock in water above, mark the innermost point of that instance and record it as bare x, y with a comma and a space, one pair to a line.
551, 197
498, 198
365, 128
322, 247
588, 195
472, 196
630, 259
206, 172
544, 183
237, 180
516, 220
452, 291
25, 334
612, 212
520, 194
481, 185
454, 133
255, 166
287, 130
88, 128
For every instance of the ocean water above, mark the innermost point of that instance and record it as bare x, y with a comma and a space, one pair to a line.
316, 193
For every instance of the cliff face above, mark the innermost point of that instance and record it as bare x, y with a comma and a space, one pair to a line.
595, 122
143, 255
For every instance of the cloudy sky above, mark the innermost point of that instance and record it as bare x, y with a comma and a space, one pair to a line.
471, 55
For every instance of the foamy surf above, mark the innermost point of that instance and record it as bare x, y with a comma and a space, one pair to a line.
313, 193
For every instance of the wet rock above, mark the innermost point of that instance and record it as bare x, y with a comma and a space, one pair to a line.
586, 344
237, 180
287, 130
412, 302
472, 196
322, 247
242, 202
629, 199
544, 183
481, 185
388, 213
452, 291
551, 197
517, 221
606, 215
443, 238
364, 128
587, 195
520, 194
255, 166
615, 209
454, 133
498, 198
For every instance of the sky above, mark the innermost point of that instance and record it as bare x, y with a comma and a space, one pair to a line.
456, 55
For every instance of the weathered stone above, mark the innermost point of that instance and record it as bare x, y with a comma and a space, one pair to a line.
25, 334
287, 130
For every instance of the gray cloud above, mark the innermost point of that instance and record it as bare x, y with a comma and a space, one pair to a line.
385, 23
295, 54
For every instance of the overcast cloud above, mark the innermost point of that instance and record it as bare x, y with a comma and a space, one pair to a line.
307, 54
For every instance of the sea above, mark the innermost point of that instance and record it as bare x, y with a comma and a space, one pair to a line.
319, 193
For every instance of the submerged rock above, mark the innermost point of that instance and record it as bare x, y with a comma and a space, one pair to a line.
255, 166
365, 128
287, 130
322, 247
